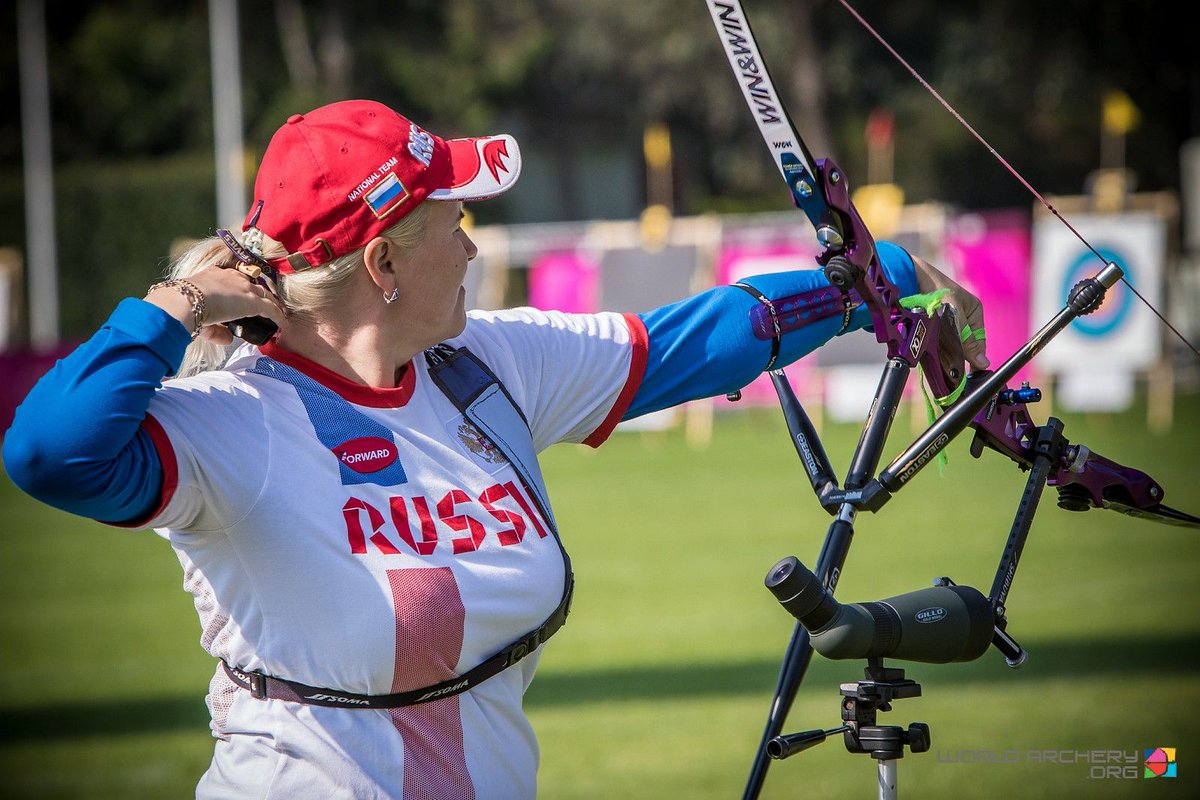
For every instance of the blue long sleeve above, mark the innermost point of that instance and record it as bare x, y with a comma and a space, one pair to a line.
76, 442
703, 346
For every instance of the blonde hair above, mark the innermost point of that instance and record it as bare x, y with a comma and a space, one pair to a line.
305, 295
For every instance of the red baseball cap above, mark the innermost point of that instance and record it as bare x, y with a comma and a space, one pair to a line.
336, 177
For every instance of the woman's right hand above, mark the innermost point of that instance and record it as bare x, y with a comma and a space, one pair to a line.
228, 295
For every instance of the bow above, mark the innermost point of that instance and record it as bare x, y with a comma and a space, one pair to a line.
928, 339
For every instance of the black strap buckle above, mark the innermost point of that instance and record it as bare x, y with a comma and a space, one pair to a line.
776, 327
523, 647
255, 682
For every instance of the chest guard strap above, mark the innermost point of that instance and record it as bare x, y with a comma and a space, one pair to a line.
475, 391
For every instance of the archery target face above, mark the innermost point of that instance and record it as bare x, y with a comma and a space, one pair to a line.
1122, 334
1118, 301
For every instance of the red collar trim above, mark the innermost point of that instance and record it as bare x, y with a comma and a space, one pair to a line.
357, 393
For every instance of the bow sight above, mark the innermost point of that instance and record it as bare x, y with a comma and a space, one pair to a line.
947, 622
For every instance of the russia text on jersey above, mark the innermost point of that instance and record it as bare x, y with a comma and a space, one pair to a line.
415, 521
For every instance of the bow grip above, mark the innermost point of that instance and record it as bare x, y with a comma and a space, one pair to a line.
939, 350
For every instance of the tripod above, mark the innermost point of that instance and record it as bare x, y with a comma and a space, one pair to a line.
860, 704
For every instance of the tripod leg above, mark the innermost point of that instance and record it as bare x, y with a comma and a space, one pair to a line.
795, 664
799, 651
887, 779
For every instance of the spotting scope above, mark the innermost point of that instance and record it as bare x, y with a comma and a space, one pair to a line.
936, 625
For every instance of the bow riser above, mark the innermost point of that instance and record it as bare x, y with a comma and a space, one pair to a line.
851, 260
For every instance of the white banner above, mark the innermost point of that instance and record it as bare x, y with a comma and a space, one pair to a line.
1123, 334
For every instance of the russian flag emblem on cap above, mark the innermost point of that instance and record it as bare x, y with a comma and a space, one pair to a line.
386, 196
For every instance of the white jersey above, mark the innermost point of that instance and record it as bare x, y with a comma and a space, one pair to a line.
372, 541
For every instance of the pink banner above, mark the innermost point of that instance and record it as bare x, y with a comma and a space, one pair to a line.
741, 260
19, 371
563, 281
992, 256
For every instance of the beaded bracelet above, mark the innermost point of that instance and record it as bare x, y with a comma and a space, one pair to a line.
192, 293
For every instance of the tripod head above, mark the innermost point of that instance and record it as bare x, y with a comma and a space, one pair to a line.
860, 705
864, 699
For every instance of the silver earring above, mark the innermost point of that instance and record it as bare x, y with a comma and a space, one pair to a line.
393, 297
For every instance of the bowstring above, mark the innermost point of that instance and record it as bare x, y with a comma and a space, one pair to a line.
1015, 173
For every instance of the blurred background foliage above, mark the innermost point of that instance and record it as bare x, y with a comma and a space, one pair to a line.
577, 82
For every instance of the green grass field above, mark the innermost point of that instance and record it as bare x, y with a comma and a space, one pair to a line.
660, 684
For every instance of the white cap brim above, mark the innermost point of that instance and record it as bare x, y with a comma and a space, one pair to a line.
480, 167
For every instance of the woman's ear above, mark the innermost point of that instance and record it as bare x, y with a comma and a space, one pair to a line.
378, 257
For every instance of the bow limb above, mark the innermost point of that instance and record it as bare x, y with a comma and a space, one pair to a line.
1084, 479
819, 188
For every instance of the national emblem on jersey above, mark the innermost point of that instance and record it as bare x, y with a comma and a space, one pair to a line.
479, 445
482, 450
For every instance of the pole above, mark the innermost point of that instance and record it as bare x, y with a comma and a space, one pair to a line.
227, 112
41, 245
